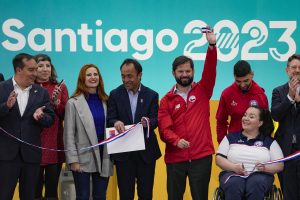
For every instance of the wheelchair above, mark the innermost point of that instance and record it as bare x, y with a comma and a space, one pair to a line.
274, 194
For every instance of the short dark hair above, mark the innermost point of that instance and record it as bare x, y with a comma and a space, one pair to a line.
293, 57
43, 57
241, 68
265, 116
18, 60
136, 64
181, 60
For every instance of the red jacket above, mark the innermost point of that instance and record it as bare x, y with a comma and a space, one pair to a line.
189, 120
234, 103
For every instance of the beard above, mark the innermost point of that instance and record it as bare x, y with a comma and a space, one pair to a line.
245, 89
187, 81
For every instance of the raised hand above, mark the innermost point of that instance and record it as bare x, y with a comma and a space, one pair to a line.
11, 100
293, 84
297, 95
56, 92
210, 36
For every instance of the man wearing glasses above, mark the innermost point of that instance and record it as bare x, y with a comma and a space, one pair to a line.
285, 109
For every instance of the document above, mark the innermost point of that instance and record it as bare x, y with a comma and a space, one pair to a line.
132, 141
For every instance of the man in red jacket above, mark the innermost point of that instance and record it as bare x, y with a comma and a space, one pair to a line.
183, 120
237, 98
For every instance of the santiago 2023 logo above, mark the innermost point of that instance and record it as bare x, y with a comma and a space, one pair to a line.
142, 41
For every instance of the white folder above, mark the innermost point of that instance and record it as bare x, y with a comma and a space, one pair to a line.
132, 141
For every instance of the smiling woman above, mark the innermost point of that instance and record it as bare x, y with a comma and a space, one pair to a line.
240, 156
92, 80
85, 123
51, 137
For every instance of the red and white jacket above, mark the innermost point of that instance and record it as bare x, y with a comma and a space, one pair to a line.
234, 103
189, 120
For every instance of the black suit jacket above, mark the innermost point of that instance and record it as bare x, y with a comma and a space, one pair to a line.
288, 116
147, 106
24, 127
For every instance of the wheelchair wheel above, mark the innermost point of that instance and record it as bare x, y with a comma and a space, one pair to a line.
279, 195
274, 194
218, 194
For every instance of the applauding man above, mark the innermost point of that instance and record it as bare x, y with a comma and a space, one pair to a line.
24, 110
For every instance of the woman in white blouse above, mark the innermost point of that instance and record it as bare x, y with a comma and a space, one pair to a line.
241, 156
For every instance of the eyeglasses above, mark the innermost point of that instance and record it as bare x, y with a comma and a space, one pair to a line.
294, 67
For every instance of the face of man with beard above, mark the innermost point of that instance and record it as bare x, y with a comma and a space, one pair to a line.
184, 74
244, 83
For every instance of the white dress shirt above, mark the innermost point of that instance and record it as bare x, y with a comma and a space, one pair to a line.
22, 97
133, 97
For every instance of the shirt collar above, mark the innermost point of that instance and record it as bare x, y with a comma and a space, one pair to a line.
130, 91
15, 84
175, 90
258, 137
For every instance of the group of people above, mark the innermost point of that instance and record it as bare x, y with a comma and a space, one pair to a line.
243, 112
36, 109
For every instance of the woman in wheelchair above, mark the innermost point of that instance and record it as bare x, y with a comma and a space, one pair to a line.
241, 156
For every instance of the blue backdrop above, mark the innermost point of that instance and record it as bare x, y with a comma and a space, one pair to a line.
105, 32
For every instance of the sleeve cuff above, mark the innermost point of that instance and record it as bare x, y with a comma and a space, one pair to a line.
219, 154
290, 98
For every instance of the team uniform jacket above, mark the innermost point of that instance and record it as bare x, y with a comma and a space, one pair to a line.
189, 120
234, 103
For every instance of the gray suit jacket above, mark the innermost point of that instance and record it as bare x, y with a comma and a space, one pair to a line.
79, 132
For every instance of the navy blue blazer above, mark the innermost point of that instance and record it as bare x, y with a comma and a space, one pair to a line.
118, 108
288, 116
24, 127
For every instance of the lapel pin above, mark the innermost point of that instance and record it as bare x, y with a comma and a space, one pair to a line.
142, 100
35, 91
